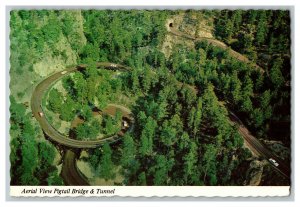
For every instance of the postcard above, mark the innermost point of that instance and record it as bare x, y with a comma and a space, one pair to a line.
141, 102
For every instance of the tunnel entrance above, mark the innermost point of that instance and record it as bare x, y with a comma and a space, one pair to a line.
171, 25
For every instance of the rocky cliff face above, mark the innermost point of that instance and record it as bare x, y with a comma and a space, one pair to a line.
255, 172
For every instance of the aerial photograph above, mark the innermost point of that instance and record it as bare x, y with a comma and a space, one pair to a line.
150, 97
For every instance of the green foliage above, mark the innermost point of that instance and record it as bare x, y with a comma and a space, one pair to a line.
190, 163
88, 130
262, 28
182, 134
209, 165
80, 88
275, 74
86, 112
109, 125
118, 41
29, 157
161, 170
257, 117
52, 30
106, 165
54, 179
24, 154
118, 116
142, 179
67, 109
55, 100
129, 162
90, 51
17, 111
46, 172
128, 151
147, 136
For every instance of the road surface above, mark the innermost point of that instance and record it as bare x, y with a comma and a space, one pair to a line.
49, 130
259, 147
217, 43
70, 172
253, 142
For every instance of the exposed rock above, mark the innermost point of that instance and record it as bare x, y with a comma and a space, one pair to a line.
85, 169
255, 172
57, 159
84, 154
201, 27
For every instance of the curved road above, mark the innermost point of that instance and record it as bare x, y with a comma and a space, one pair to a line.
70, 172
49, 130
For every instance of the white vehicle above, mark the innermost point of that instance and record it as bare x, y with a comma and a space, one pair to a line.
63, 72
113, 65
41, 114
274, 162
125, 124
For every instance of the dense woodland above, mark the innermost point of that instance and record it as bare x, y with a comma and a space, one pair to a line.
182, 133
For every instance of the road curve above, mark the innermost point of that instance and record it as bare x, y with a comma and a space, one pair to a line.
70, 172
49, 130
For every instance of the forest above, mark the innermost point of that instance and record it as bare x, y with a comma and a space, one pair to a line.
181, 103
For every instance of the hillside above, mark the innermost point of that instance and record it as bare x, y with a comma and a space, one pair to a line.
195, 97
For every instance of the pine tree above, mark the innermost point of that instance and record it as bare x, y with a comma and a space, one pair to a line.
161, 170
190, 163
128, 151
106, 165
275, 74
147, 136
262, 28
142, 179
55, 100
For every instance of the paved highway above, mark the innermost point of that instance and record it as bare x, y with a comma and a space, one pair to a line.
70, 172
49, 130
253, 142
260, 148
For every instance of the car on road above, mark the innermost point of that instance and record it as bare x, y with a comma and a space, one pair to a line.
113, 65
125, 124
41, 114
63, 72
274, 162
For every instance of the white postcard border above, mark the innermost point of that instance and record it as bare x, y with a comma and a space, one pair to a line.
269, 191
